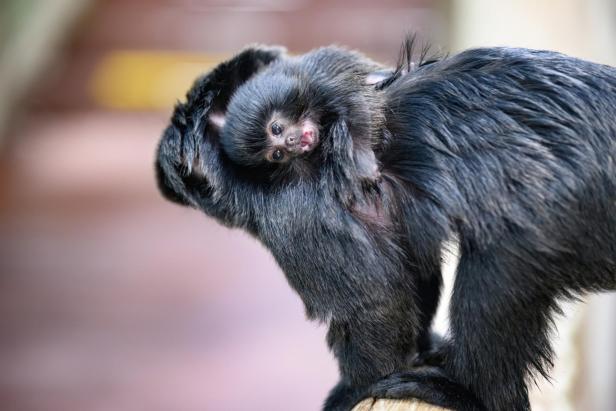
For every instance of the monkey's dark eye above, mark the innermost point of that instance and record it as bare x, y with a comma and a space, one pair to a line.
277, 155
276, 128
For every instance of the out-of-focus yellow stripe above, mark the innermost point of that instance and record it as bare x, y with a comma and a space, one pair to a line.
144, 80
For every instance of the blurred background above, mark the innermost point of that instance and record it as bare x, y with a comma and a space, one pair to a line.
112, 298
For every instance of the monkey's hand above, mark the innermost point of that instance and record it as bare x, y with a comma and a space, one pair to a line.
188, 164
172, 166
429, 384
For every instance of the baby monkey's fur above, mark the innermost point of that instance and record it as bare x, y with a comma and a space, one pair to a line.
354, 176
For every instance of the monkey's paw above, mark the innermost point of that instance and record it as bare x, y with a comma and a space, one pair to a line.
429, 384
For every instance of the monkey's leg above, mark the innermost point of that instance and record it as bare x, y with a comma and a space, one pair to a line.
369, 345
499, 320
500, 315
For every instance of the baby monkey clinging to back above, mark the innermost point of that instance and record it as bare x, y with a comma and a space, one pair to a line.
355, 186
287, 135
278, 116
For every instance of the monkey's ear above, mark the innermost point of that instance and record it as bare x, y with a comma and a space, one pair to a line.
211, 92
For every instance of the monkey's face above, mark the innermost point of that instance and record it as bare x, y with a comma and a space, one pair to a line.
287, 139
271, 121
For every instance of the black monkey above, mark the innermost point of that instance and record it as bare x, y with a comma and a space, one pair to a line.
354, 187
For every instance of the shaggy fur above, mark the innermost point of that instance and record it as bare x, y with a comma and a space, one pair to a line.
511, 150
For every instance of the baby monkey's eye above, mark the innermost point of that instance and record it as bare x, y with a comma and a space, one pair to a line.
276, 128
277, 155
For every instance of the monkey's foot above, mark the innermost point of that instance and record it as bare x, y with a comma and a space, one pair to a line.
343, 397
428, 384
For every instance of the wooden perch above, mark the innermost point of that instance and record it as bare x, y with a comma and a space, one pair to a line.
375, 404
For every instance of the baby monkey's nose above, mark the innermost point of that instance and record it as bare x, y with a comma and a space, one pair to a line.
292, 139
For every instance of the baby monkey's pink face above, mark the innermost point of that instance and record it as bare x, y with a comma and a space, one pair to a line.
287, 139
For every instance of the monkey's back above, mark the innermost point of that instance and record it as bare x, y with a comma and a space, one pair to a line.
518, 148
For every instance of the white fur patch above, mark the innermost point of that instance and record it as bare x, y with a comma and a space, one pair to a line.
374, 78
450, 251
217, 120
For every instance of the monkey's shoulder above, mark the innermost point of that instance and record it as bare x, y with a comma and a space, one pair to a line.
522, 63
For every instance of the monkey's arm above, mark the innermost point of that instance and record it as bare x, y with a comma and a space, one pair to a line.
190, 167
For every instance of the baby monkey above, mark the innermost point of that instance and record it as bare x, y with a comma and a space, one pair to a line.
287, 139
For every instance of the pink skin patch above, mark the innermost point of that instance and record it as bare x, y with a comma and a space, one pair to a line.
309, 138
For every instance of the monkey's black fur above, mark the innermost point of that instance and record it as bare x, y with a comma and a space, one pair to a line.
512, 151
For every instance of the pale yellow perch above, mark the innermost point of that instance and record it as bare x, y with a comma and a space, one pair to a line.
372, 404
